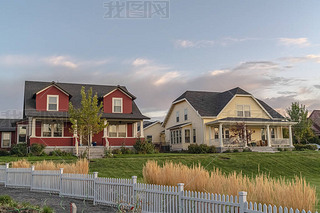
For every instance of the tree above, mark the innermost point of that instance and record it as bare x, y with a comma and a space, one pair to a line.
241, 133
302, 130
86, 120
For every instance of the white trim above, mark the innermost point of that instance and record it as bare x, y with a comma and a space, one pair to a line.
120, 91
18, 132
253, 122
53, 96
51, 137
121, 100
9, 139
52, 86
117, 130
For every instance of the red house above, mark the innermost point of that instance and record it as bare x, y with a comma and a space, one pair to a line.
46, 119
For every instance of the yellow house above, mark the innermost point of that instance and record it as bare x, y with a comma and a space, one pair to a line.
233, 119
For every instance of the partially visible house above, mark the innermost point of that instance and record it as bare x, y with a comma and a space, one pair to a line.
154, 132
8, 134
211, 117
315, 118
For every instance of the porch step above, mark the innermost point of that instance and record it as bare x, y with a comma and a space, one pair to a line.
263, 149
95, 151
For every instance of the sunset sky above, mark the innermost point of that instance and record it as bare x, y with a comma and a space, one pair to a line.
269, 48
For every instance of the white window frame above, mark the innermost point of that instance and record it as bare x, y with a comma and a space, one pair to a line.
185, 130
177, 117
113, 105
185, 114
18, 133
243, 111
2, 146
117, 130
52, 130
53, 96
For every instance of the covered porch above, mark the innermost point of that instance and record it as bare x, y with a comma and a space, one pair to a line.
249, 132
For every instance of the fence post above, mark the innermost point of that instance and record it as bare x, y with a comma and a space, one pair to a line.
60, 185
180, 194
242, 201
95, 176
7, 167
32, 170
134, 185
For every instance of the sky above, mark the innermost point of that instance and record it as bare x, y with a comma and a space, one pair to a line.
159, 50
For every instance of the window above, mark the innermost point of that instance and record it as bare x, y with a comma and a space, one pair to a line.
273, 133
216, 133
177, 116
194, 136
227, 133
149, 138
175, 136
187, 135
6, 140
52, 102
52, 130
22, 134
117, 105
117, 131
185, 114
263, 134
243, 111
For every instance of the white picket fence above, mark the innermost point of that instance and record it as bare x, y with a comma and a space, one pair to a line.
130, 194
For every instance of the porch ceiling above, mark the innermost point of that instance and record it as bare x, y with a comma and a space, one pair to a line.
250, 121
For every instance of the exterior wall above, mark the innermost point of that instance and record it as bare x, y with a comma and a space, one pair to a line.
98, 138
67, 129
193, 117
126, 102
129, 130
41, 99
52, 141
154, 130
121, 141
13, 140
231, 109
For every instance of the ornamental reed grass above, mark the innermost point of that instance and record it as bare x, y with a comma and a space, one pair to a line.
261, 189
79, 167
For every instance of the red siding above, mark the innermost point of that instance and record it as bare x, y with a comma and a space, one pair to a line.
129, 130
98, 138
66, 130
41, 99
121, 141
52, 141
126, 102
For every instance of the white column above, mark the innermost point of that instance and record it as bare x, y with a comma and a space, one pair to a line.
33, 128
210, 134
141, 129
268, 136
245, 136
290, 136
105, 133
135, 129
220, 135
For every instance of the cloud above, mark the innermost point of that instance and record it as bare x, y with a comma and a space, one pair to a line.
181, 43
61, 61
218, 72
292, 42
307, 58
140, 62
169, 76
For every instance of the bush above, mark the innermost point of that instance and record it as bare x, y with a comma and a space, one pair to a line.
117, 152
247, 150
58, 152
37, 149
228, 151
302, 147
236, 150
144, 147
125, 150
20, 150
280, 149
5, 200
4, 152
201, 149
108, 153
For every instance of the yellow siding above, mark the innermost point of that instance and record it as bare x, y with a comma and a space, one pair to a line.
154, 130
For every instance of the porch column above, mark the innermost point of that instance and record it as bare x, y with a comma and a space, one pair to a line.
75, 136
245, 136
220, 135
268, 136
141, 129
135, 129
105, 133
290, 136
210, 129
33, 128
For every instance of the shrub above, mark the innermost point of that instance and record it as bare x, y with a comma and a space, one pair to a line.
302, 147
108, 153
20, 150
117, 152
58, 152
296, 193
201, 149
5, 200
236, 150
247, 150
47, 209
4, 152
125, 150
144, 147
37, 149
227, 151
280, 149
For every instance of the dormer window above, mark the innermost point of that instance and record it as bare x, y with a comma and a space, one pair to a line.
117, 105
52, 102
243, 111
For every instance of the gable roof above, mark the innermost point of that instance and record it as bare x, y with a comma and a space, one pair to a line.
315, 118
8, 125
32, 87
210, 104
53, 84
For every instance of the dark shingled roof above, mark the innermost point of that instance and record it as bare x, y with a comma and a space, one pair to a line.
8, 125
32, 87
211, 103
315, 118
